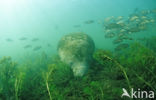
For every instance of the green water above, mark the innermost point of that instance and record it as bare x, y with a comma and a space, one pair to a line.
25, 75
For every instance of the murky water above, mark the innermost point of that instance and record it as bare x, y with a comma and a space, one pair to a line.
30, 31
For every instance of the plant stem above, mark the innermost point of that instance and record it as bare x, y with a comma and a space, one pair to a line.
48, 90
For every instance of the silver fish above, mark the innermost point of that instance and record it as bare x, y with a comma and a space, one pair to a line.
113, 26
23, 38
77, 26
9, 40
89, 22
121, 46
27, 46
37, 48
117, 41
109, 35
49, 45
35, 39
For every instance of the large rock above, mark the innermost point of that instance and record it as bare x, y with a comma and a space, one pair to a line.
76, 50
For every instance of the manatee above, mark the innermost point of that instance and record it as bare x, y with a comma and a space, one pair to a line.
76, 50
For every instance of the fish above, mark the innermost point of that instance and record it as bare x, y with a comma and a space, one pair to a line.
77, 26
153, 11
123, 31
134, 30
142, 26
121, 34
109, 35
117, 41
119, 18
121, 46
145, 12
146, 21
37, 48
133, 18
56, 27
107, 30
152, 20
99, 22
121, 28
143, 17
27, 46
23, 38
126, 38
49, 45
35, 39
89, 22
9, 40
142, 39
136, 10
113, 26
120, 22
108, 19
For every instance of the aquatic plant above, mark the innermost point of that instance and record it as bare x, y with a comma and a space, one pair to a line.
140, 64
33, 79
47, 78
102, 56
150, 43
62, 72
8, 73
18, 83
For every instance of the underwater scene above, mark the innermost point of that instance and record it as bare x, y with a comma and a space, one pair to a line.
77, 49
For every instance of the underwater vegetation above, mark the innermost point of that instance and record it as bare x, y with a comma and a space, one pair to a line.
140, 62
149, 42
48, 78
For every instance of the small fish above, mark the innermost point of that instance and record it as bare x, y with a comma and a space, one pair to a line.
109, 35
153, 11
23, 38
121, 46
136, 10
152, 20
108, 19
118, 40
123, 31
9, 40
126, 38
77, 26
134, 30
119, 18
27, 46
142, 39
49, 45
120, 22
121, 34
99, 22
133, 18
35, 39
142, 26
56, 27
89, 22
146, 21
113, 26
145, 12
37, 48
143, 17
107, 30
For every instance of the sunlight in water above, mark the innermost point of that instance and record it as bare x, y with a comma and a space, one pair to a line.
10, 6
